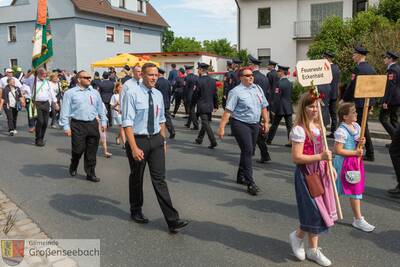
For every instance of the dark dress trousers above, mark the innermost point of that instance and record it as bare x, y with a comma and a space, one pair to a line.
178, 88
325, 90
106, 90
334, 95
362, 68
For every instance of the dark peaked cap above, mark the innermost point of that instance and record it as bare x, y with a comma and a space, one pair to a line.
392, 54
360, 50
187, 67
160, 70
284, 68
328, 54
203, 66
237, 61
253, 60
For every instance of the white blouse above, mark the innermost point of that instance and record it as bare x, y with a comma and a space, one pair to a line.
341, 135
298, 134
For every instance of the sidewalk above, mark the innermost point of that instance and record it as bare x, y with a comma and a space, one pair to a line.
375, 127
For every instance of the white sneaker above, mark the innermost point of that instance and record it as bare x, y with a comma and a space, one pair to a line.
316, 255
297, 246
363, 225
15, 131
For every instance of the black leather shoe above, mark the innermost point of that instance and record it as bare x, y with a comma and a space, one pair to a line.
194, 128
93, 178
288, 145
40, 143
394, 191
198, 141
331, 135
187, 125
172, 136
264, 160
269, 142
138, 217
212, 146
253, 190
72, 172
369, 158
175, 226
241, 181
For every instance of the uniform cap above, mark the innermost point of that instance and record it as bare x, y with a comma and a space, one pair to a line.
284, 68
392, 54
160, 70
273, 63
360, 50
187, 67
237, 61
253, 60
203, 66
328, 54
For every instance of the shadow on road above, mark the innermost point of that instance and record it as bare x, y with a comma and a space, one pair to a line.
18, 139
54, 171
387, 240
213, 179
85, 207
264, 205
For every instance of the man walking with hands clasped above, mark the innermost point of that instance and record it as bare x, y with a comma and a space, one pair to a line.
80, 108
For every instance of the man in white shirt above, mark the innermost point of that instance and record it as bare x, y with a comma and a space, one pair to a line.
42, 96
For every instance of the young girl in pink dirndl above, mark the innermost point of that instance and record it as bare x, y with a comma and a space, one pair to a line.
348, 158
316, 214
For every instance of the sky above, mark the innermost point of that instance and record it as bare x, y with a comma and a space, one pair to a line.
204, 19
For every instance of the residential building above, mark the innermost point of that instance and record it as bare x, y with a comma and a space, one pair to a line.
282, 30
83, 31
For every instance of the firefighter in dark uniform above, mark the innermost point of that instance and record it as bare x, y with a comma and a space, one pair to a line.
325, 91
273, 80
206, 96
329, 55
391, 101
262, 81
228, 82
236, 69
177, 90
362, 68
190, 86
282, 107
164, 86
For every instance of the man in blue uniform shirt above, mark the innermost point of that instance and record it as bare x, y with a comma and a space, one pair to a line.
80, 108
144, 121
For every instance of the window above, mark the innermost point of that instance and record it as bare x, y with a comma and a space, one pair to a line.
12, 34
110, 34
264, 17
127, 36
264, 55
13, 62
122, 4
140, 7
359, 6
319, 12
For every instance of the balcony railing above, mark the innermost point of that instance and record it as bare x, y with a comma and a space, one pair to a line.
306, 29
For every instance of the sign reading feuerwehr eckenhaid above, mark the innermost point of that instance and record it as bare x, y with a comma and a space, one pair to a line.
316, 71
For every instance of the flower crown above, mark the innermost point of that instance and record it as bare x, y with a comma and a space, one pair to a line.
315, 94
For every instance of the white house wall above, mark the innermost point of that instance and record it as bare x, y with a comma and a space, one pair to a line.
304, 8
278, 38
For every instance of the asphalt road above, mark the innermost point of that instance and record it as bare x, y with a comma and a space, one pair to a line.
228, 226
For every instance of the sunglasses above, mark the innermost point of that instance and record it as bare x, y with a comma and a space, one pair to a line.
86, 78
247, 75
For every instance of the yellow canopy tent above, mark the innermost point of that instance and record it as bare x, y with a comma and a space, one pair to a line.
121, 60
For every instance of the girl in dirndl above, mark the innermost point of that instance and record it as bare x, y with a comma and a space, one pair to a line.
317, 213
348, 163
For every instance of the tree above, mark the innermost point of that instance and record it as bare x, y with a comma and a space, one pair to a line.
167, 39
221, 47
184, 44
242, 54
389, 9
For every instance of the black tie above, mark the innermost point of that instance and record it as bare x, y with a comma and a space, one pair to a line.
150, 121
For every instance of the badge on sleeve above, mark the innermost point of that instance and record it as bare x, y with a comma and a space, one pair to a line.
277, 91
353, 77
391, 77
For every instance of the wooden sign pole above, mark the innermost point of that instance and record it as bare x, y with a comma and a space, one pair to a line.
364, 120
330, 166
